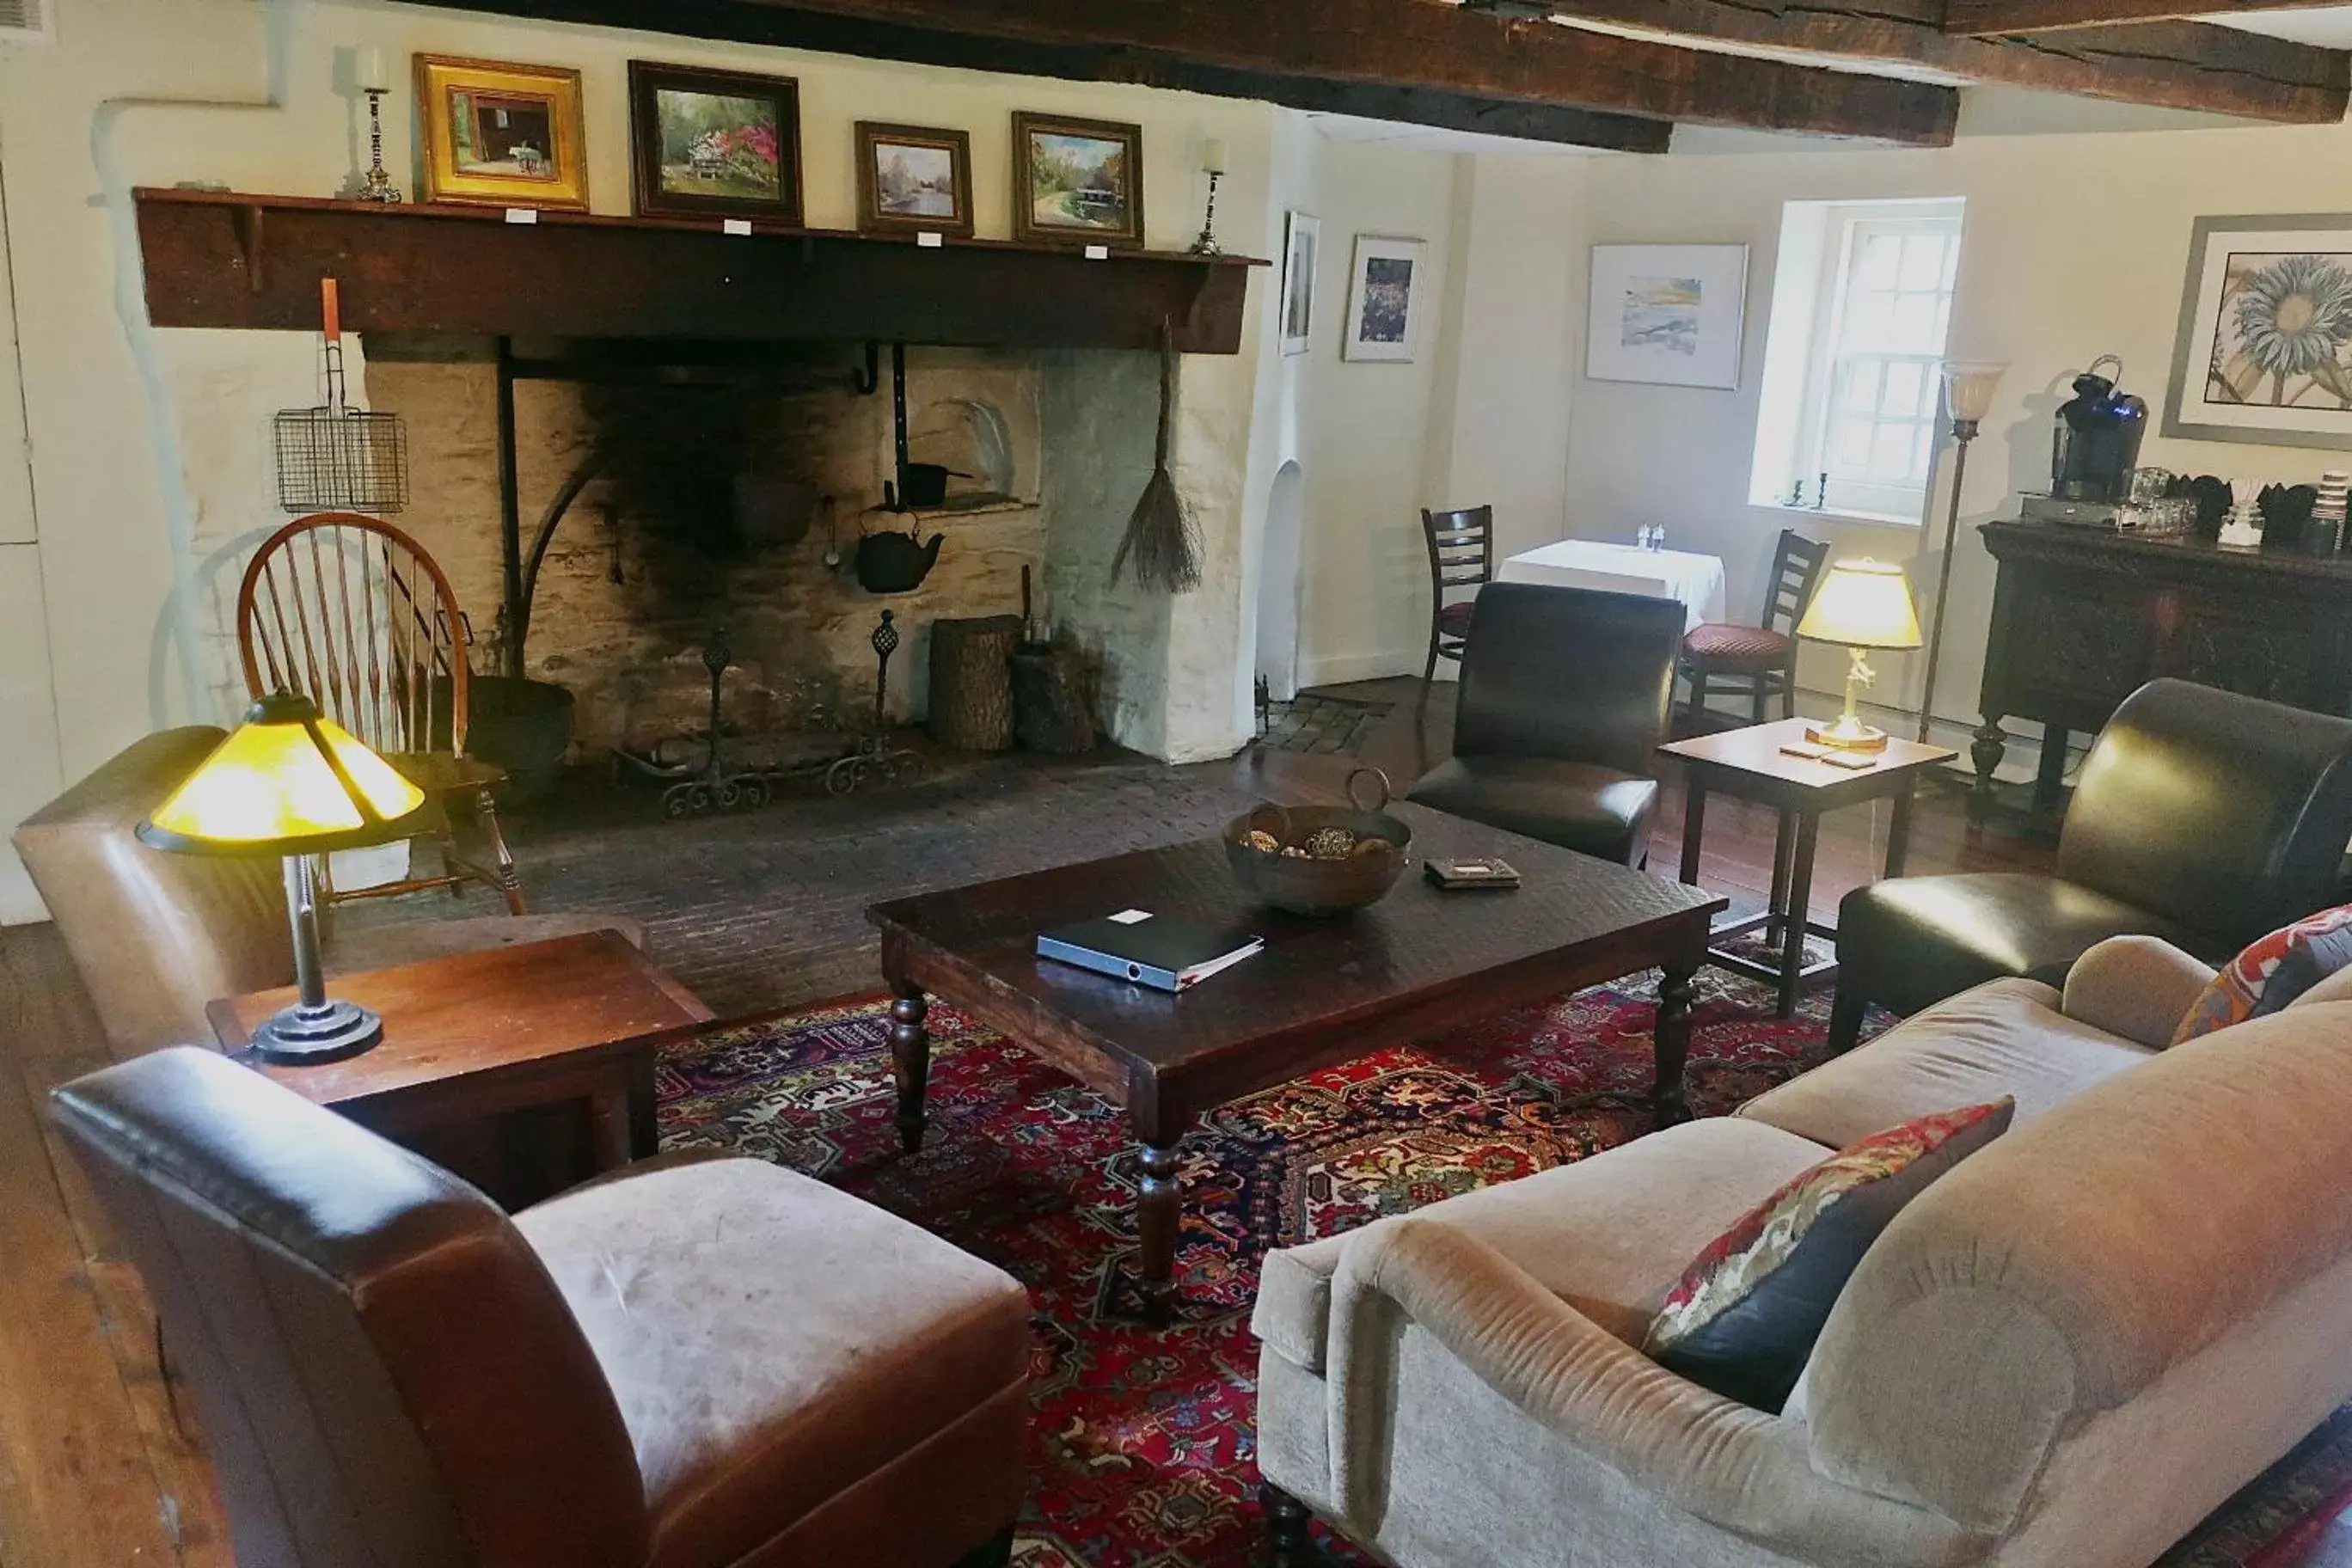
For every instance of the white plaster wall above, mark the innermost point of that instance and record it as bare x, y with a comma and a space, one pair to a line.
2074, 245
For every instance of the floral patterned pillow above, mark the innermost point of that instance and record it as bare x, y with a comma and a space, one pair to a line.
1744, 1319
2271, 972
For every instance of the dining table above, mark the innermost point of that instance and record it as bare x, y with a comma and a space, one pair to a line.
1693, 579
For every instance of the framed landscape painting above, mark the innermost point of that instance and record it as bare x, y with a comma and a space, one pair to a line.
911, 178
501, 134
1077, 180
715, 143
1302, 248
2264, 351
1668, 314
1384, 299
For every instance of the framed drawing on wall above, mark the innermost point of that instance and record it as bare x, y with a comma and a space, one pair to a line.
1301, 250
2264, 351
1384, 299
1668, 314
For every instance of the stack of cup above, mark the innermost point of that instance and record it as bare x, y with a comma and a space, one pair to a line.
2324, 535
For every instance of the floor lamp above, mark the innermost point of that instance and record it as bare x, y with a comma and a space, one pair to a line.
1968, 397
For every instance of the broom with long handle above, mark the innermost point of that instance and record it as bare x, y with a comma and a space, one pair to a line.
1161, 538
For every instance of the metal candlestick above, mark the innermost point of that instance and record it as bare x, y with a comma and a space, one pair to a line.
1207, 243
380, 187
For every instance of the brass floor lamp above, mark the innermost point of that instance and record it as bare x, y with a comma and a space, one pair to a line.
1968, 397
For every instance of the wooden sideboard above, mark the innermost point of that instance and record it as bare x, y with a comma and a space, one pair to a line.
2082, 618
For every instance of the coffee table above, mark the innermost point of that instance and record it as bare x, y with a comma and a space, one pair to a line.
1417, 963
1748, 763
473, 1035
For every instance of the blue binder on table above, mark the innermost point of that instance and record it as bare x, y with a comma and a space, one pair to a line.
1167, 952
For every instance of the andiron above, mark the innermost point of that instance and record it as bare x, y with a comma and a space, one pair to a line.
875, 754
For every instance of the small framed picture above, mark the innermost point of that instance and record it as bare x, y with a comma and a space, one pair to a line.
1302, 248
912, 177
1669, 314
715, 143
501, 134
1077, 180
1384, 302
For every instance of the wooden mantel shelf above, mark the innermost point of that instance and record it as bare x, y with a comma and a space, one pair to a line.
225, 258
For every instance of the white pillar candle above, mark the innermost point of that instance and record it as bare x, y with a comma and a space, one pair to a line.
1213, 155
367, 69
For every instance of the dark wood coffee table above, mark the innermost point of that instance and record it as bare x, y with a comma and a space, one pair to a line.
1417, 963
474, 1035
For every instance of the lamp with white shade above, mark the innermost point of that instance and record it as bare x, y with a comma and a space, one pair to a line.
1861, 605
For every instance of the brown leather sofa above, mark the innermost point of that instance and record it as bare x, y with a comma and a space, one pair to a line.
1565, 695
691, 1366
2202, 816
155, 935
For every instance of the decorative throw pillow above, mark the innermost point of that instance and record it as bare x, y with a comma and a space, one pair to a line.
1745, 1317
2271, 973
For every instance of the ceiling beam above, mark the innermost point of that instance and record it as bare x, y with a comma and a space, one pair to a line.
2172, 64
2013, 18
1423, 61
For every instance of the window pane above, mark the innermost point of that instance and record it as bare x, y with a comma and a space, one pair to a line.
1868, 323
1851, 450
1903, 379
1890, 452
1917, 326
1862, 387
1880, 263
1923, 261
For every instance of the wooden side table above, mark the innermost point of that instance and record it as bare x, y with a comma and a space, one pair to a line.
1748, 764
474, 1037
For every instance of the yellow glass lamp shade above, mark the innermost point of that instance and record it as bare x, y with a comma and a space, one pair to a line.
1862, 604
286, 782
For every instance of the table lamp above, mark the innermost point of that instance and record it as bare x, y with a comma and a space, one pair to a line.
1861, 605
291, 783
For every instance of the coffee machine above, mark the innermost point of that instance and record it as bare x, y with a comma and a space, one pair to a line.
2096, 444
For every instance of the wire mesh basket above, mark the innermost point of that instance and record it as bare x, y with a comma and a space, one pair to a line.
335, 458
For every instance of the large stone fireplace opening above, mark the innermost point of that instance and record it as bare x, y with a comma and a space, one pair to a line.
693, 498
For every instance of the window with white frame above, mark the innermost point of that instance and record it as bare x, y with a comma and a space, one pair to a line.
1862, 301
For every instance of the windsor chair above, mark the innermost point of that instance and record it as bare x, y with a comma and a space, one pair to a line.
352, 612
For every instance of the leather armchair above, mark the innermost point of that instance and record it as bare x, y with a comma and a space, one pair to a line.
718, 1362
1565, 696
154, 936
2202, 816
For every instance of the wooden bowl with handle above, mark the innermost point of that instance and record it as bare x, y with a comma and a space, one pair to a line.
1325, 859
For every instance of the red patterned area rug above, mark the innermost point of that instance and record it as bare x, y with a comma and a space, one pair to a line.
1142, 1446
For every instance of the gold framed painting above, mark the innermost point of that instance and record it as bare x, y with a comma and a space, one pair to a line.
501, 134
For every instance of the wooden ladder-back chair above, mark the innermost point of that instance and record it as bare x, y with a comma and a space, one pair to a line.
1461, 556
352, 612
1762, 659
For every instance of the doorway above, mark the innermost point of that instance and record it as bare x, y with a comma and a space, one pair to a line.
1278, 584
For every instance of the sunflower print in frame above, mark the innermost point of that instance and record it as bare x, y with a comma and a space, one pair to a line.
2283, 334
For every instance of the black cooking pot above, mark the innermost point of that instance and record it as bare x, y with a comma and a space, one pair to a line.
925, 484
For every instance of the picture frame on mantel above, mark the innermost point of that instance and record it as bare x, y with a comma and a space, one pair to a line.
1384, 299
913, 179
1077, 182
714, 143
498, 133
2265, 348
1668, 315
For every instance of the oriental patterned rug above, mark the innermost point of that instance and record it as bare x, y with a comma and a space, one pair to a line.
1142, 1441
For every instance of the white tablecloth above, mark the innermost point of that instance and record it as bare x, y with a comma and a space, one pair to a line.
1696, 580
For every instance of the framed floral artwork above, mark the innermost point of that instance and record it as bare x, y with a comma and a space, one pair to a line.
911, 178
2264, 351
715, 143
1077, 180
499, 134
1384, 299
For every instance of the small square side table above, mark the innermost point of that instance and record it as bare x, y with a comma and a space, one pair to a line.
1748, 764
473, 1035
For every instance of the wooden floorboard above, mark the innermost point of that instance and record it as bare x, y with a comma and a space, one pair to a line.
95, 1469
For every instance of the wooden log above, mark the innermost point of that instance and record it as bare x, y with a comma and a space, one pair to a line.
972, 682
1050, 701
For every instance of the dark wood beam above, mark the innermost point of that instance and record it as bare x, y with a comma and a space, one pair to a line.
1986, 18
1425, 61
2173, 65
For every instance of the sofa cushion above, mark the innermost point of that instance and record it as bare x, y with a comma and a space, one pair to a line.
2004, 1037
2271, 973
1746, 1312
1610, 1234
1584, 807
773, 1341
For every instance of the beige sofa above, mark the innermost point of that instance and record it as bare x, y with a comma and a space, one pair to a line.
2065, 1352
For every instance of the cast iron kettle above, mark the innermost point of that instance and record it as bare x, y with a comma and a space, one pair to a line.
894, 563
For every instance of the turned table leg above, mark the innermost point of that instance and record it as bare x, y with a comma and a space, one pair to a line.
1159, 1206
1287, 1542
1669, 1035
910, 1063
1985, 748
